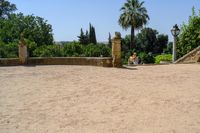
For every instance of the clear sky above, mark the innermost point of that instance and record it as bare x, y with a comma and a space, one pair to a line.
67, 17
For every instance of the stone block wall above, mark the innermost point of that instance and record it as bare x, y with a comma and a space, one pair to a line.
9, 61
191, 57
92, 61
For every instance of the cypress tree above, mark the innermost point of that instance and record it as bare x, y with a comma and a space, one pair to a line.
83, 38
109, 41
92, 34
94, 40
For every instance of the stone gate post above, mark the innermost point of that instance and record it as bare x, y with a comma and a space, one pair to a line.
116, 50
23, 53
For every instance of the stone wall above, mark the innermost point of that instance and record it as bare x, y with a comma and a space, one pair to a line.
92, 61
116, 50
191, 57
9, 61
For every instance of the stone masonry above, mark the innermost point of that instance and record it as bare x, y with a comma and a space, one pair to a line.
116, 50
23, 53
191, 57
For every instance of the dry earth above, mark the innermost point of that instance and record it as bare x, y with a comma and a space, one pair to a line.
84, 99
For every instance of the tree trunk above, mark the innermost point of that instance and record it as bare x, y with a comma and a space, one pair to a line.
132, 37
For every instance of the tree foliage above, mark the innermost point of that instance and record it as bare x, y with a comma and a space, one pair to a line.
92, 35
37, 32
48, 51
146, 40
9, 50
109, 40
148, 43
83, 38
133, 16
6, 8
87, 38
189, 37
34, 28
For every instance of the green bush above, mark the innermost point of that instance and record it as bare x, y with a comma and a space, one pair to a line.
9, 50
73, 49
146, 58
48, 51
31, 46
189, 37
93, 50
125, 56
164, 57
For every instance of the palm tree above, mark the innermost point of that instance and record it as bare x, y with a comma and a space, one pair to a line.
133, 15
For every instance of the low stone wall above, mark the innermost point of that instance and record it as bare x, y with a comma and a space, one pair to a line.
191, 57
92, 61
9, 61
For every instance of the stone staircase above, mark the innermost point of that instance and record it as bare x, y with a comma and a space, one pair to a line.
191, 57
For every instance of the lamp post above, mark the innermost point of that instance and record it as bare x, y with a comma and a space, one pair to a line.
175, 32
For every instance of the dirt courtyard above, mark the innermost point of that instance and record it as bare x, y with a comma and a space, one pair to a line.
85, 99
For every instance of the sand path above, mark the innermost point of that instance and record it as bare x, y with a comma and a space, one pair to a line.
84, 99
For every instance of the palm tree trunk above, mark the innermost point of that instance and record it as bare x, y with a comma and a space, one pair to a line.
132, 37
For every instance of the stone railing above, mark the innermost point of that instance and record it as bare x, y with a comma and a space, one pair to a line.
114, 61
92, 61
191, 57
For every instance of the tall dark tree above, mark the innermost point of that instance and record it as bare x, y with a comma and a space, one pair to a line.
133, 16
83, 38
6, 8
109, 41
92, 35
162, 41
146, 40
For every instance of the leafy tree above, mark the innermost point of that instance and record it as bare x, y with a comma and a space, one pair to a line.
168, 50
34, 29
189, 37
133, 16
148, 43
146, 40
125, 43
6, 8
162, 41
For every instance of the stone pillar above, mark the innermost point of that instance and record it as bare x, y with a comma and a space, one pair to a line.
116, 50
23, 53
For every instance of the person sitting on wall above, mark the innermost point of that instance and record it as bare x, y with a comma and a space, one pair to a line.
133, 59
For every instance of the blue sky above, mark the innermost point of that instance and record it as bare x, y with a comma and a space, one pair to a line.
67, 17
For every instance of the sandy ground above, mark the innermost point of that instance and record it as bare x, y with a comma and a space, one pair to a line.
84, 99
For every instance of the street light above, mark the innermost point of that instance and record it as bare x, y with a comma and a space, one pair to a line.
175, 32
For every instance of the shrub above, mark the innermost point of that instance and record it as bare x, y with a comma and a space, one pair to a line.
146, 58
48, 51
73, 49
31, 46
188, 39
93, 50
125, 56
164, 57
9, 50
